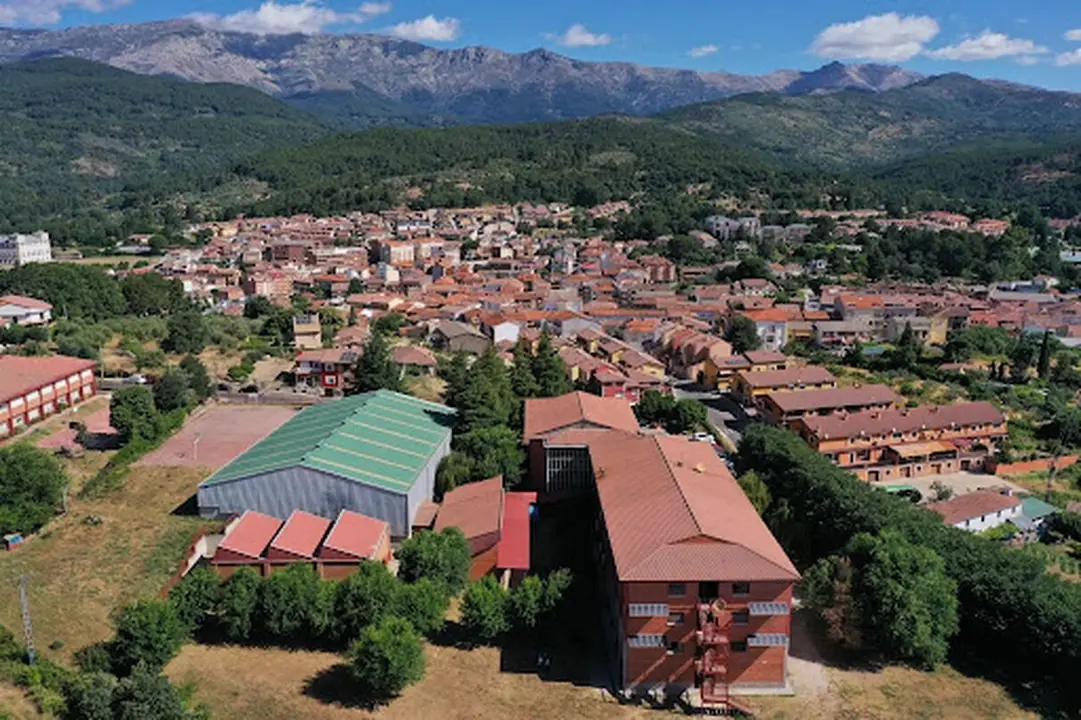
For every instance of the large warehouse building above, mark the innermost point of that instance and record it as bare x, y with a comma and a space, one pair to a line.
375, 454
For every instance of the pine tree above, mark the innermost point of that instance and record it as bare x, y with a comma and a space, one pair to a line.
549, 370
375, 370
522, 375
1043, 366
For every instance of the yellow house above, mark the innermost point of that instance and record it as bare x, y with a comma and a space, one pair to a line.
749, 387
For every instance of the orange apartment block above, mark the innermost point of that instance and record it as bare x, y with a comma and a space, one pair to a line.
697, 590
904, 443
750, 388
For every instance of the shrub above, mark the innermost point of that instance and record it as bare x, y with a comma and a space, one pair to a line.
288, 602
148, 632
363, 599
484, 610
239, 601
443, 557
194, 597
424, 604
527, 602
386, 658
133, 413
32, 486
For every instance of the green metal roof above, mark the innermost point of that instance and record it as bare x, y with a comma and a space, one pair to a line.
1033, 507
380, 438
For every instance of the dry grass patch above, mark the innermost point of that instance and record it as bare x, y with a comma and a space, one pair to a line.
79, 573
898, 693
240, 683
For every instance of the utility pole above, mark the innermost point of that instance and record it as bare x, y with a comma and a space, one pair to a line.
28, 629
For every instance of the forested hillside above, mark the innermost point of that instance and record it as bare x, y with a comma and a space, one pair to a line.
73, 133
849, 129
582, 162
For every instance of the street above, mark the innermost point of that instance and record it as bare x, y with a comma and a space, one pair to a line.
724, 413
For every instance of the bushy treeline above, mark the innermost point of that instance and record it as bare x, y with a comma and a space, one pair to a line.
1003, 595
87, 292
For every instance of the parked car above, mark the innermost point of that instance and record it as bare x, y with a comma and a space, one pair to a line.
703, 437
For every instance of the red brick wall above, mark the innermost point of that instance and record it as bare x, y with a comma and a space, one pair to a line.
655, 665
1030, 466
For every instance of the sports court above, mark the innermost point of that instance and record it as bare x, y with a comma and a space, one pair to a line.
218, 435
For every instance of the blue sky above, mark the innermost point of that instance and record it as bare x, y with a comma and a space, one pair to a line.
1036, 41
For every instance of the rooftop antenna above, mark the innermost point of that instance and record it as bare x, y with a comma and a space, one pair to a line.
28, 629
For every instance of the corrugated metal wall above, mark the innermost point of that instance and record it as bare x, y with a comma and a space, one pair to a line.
424, 488
281, 492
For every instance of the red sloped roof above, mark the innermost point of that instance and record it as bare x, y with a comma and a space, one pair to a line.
673, 512
475, 508
251, 535
513, 550
301, 535
354, 535
545, 415
19, 375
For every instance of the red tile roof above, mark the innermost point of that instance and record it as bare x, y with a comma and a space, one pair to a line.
673, 512
546, 415
831, 398
301, 535
879, 422
25, 302
807, 375
476, 508
251, 535
355, 535
20, 375
413, 355
513, 551
973, 505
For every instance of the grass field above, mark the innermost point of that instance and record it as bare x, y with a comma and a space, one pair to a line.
79, 573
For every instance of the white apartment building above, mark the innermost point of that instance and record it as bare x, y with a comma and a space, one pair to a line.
18, 250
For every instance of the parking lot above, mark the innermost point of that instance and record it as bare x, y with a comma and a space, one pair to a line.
960, 483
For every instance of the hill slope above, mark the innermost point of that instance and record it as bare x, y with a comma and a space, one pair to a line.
854, 128
583, 162
72, 132
463, 85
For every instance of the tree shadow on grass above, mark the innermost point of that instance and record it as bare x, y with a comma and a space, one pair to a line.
1040, 695
337, 686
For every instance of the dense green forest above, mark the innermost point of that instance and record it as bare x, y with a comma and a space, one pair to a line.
75, 134
583, 162
849, 129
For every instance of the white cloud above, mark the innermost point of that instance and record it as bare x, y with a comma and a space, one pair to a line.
1027, 60
578, 35
1069, 58
885, 38
1073, 35
703, 51
308, 17
429, 28
988, 46
49, 12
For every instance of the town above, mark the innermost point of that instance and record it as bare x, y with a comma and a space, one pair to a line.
576, 418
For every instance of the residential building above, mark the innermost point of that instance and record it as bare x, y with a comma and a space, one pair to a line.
19, 250
307, 332
979, 511
771, 324
19, 310
921, 329
452, 336
328, 370
375, 454
785, 408
721, 374
750, 387
907, 442
32, 388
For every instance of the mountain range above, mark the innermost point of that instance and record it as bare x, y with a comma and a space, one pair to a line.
361, 80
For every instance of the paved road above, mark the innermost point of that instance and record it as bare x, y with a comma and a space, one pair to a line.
723, 412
